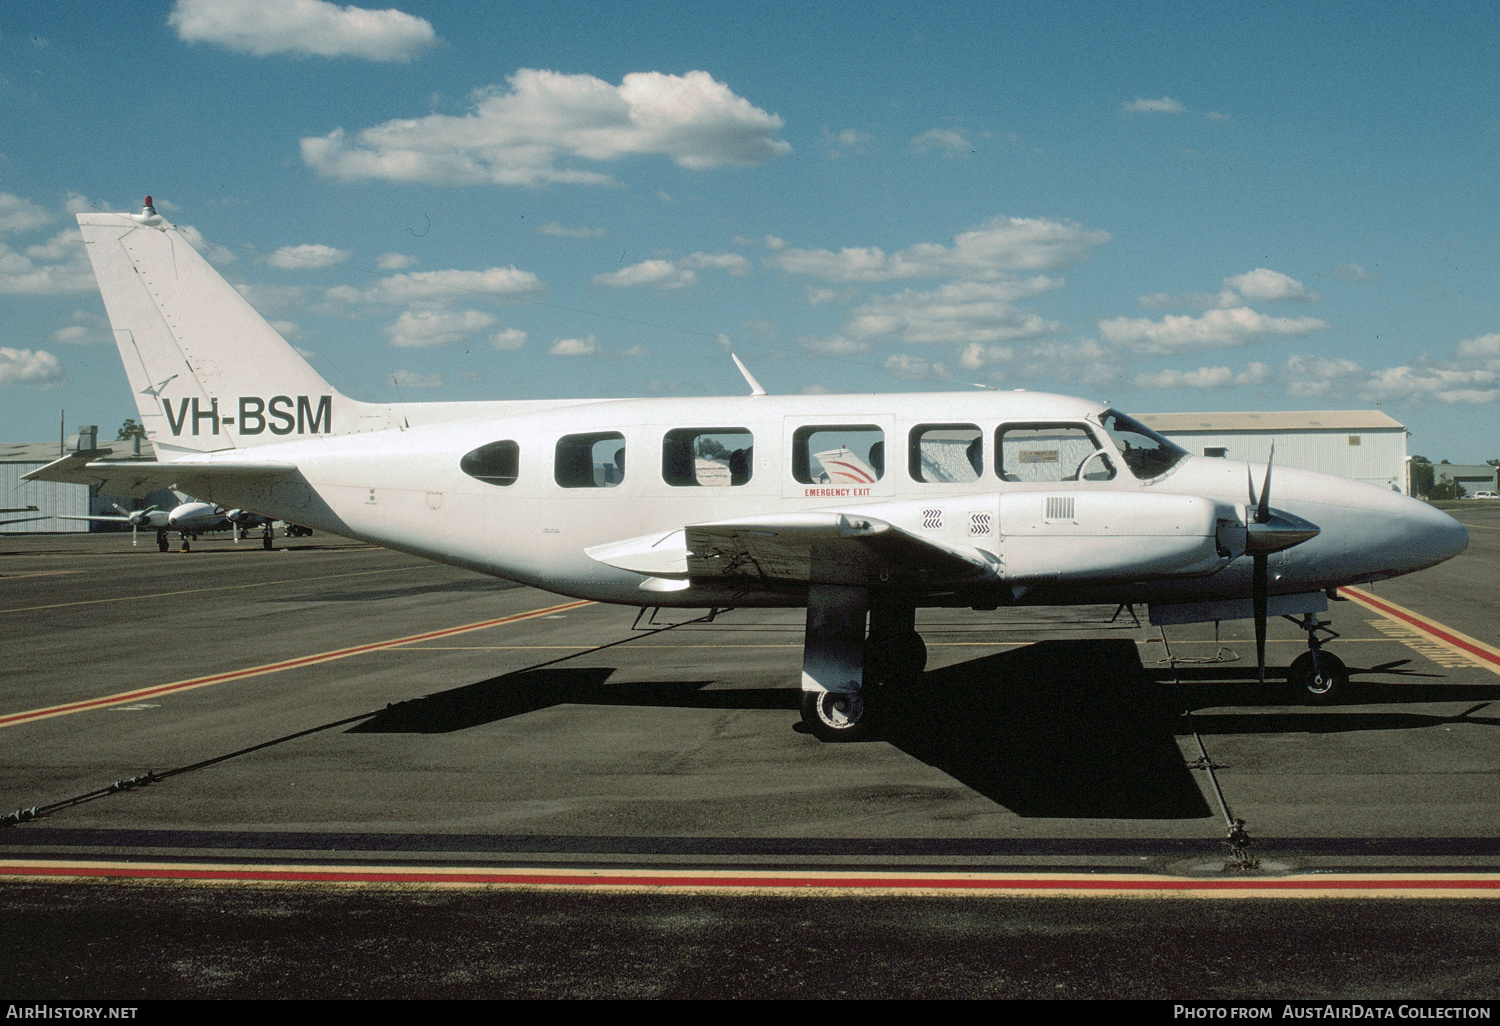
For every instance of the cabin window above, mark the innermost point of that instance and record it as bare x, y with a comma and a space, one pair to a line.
1036, 453
595, 460
840, 454
498, 463
707, 457
1145, 452
945, 453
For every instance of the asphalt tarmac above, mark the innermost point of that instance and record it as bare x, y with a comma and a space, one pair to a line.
346, 772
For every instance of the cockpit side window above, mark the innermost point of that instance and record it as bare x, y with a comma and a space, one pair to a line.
595, 460
711, 457
498, 463
1040, 453
945, 453
1145, 452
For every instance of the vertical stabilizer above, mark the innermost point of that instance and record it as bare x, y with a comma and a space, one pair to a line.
208, 372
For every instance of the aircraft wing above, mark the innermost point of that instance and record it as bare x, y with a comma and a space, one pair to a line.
813, 547
22, 520
137, 477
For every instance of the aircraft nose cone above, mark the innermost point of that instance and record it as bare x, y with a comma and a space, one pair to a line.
1443, 536
1423, 535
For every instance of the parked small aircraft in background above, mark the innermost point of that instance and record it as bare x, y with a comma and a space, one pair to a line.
190, 518
992, 499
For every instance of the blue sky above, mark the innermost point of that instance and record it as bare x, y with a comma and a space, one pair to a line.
1166, 206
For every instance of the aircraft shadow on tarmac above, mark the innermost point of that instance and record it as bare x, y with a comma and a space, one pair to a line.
1061, 728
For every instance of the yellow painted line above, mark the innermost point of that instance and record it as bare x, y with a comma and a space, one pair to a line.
1474, 651
286, 664
1117, 885
204, 591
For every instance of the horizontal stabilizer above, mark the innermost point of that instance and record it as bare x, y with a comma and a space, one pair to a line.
131, 477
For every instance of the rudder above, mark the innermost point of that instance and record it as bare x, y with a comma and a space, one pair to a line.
207, 370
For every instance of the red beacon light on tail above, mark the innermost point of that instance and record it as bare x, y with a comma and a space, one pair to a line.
148, 215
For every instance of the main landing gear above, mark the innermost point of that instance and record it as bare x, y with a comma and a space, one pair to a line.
1321, 674
847, 677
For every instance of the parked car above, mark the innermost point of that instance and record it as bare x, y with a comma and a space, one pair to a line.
1486, 495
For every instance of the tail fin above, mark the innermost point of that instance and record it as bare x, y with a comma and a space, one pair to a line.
208, 372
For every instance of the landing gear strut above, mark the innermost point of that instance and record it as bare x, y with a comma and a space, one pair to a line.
846, 678
1321, 674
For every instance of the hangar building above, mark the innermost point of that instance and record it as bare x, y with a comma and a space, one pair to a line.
1473, 478
54, 498
1365, 445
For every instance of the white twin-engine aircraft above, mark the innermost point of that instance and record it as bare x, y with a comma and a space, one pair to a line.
859, 507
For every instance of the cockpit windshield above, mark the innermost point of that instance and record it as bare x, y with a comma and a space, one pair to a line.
1146, 453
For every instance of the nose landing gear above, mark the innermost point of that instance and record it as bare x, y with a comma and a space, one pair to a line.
1322, 675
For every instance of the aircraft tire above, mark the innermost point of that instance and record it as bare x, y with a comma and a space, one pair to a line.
1323, 683
834, 716
265, 542
162, 544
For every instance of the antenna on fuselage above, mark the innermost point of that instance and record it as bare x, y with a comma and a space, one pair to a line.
755, 388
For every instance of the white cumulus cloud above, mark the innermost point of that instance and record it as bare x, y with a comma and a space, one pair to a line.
19, 215
544, 123
296, 258
574, 347
961, 312
29, 367
915, 368
986, 251
657, 274
437, 288
946, 141
1216, 329
302, 28
1203, 377
1267, 286
510, 338
421, 329
57, 266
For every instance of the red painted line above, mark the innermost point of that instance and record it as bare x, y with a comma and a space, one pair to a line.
992, 884
1423, 624
287, 664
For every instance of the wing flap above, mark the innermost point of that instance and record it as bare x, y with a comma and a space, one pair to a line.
815, 547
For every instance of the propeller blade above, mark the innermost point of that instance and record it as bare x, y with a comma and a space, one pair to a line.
134, 527
1263, 509
1260, 588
